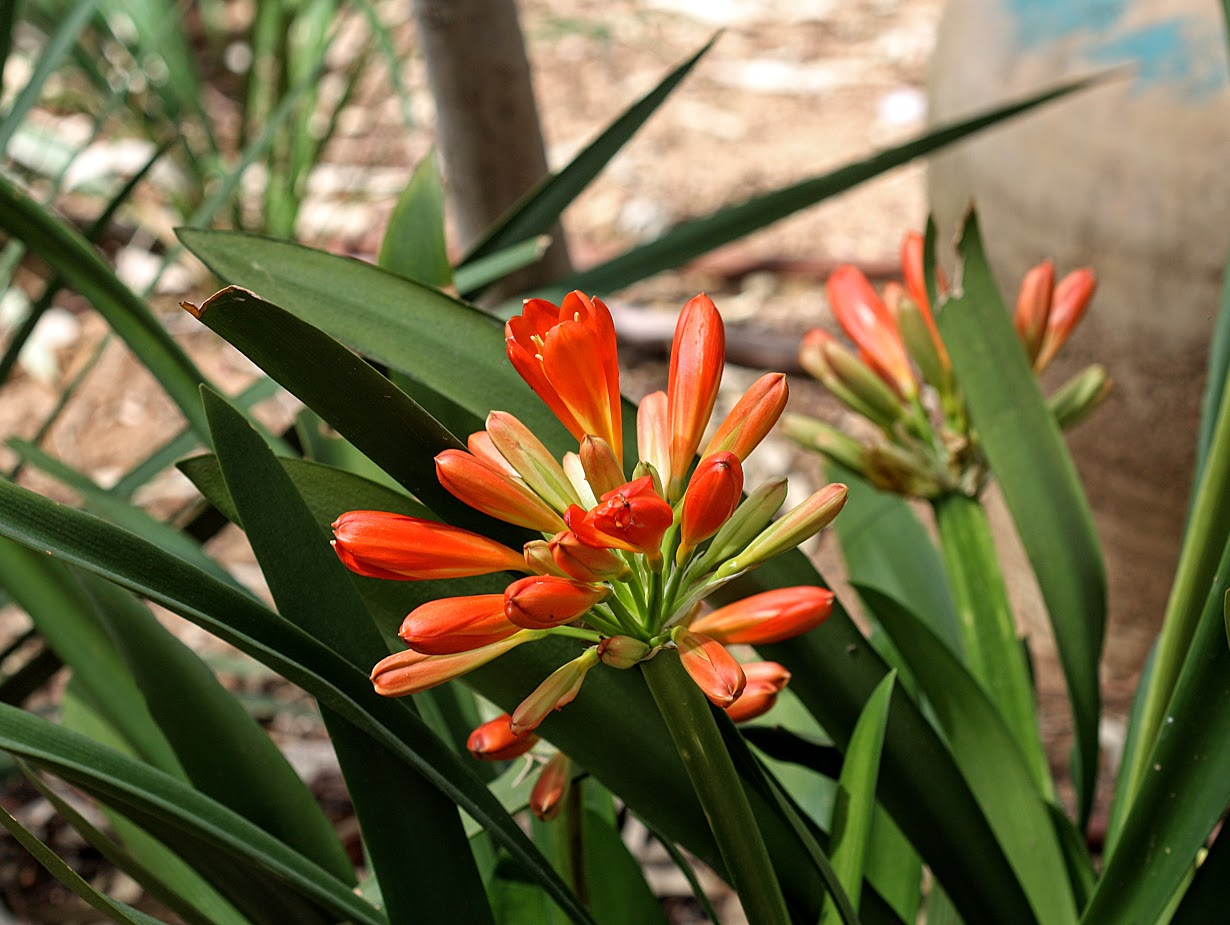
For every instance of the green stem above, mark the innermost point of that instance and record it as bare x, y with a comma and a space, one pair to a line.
1208, 528
994, 653
718, 787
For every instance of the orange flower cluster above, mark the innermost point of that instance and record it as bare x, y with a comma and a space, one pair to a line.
622, 563
901, 379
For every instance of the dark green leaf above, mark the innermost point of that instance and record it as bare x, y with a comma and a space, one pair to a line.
850, 831
1040, 486
85, 271
168, 807
990, 759
540, 208
413, 244
312, 592
1185, 791
687, 241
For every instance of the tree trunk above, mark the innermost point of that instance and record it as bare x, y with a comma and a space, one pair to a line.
488, 131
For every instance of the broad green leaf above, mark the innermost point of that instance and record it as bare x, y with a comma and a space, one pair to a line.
541, 207
691, 239
173, 811
990, 759
121, 513
140, 566
413, 244
850, 832
1040, 486
311, 591
455, 349
618, 893
834, 671
224, 754
67, 618
113, 910
886, 547
1206, 898
162, 873
85, 271
49, 60
894, 868
1186, 789
363, 406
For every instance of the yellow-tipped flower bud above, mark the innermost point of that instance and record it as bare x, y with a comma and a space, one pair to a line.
556, 692
602, 470
1077, 397
622, 651
531, 460
795, 527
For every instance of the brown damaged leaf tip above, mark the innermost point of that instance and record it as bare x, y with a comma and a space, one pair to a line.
235, 292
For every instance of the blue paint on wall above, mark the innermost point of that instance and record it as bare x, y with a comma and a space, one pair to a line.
1183, 54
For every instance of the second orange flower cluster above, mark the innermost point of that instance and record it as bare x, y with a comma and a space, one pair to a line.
901, 378
620, 563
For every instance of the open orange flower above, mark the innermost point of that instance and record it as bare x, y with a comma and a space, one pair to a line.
632, 517
567, 355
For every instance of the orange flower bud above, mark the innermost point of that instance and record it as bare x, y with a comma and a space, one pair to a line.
410, 672
551, 789
492, 491
383, 545
567, 355
712, 496
872, 327
556, 692
698, 355
1033, 307
632, 518
480, 445
585, 563
653, 440
494, 741
1072, 297
525, 454
540, 561
543, 601
456, 624
602, 470
752, 417
707, 662
622, 651
912, 269
772, 616
765, 680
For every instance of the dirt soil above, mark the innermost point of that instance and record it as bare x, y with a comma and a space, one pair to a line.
790, 89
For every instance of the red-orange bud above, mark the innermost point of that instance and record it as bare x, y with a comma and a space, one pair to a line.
712, 496
585, 563
456, 624
698, 356
765, 680
543, 601
1033, 307
382, 545
410, 672
752, 417
567, 355
707, 662
494, 741
494, 492
550, 790
1072, 296
868, 322
772, 616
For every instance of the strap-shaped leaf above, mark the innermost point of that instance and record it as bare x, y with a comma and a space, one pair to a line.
691, 239
413, 243
115, 911
313, 592
1040, 485
1185, 790
542, 206
138, 565
168, 806
850, 832
85, 271
990, 759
